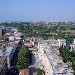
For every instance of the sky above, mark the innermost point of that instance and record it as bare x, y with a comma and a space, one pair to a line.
37, 10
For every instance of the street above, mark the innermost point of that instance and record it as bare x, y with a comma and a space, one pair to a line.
32, 69
13, 69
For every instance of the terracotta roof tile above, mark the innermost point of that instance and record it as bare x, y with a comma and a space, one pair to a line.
24, 72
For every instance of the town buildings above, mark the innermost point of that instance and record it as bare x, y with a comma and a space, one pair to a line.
8, 44
3, 65
49, 59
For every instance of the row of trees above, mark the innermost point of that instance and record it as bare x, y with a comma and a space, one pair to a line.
67, 55
23, 58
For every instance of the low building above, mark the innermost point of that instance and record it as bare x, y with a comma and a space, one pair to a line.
4, 44
24, 72
28, 44
2, 38
14, 31
11, 38
17, 37
72, 46
9, 52
3, 65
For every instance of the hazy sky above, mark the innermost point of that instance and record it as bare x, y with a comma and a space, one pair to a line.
37, 10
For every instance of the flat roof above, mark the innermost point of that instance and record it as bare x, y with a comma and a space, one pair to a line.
8, 51
18, 38
52, 40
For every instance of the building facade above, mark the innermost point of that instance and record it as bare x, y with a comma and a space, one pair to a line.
51, 62
0, 31
3, 65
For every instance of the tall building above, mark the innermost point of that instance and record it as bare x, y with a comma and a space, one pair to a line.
0, 31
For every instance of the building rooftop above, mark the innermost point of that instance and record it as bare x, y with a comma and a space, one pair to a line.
4, 42
8, 51
24, 72
17, 38
52, 55
2, 60
52, 41
2, 38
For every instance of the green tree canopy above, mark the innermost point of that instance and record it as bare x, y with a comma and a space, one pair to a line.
23, 58
39, 71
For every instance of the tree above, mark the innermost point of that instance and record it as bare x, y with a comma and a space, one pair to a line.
67, 55
23, 58
73, 65
39, 71
4, 46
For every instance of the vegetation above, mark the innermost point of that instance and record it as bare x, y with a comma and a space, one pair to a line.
23, 58
39, 71
45, 31
4, 46
67, 55
52, 32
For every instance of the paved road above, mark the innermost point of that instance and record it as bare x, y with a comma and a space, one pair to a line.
32, 69
13, 71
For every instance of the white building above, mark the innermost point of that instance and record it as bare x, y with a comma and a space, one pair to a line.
74, 41
9, 53
14, 30
72, 46
51, 62
11, 38
58, 42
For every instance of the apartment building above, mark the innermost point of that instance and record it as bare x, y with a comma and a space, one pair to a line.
58, 42
51, 62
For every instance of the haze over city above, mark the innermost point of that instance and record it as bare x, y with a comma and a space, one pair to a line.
37, 10
37, 37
